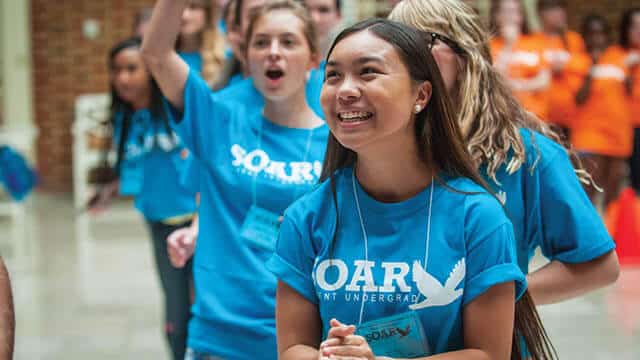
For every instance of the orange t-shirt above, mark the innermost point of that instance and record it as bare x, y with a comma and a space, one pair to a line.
526, 62
564, 85
635, 92
603, 123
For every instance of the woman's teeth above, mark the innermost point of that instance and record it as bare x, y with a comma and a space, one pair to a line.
354, 116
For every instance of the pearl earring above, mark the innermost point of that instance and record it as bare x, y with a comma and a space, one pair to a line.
417, 109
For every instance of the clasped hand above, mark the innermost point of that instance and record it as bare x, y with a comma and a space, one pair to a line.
343, 344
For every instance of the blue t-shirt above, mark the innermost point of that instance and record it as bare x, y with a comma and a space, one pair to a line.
190, 177
242, 93
548, 206
234, 310
470, 250
193, 59
151, 166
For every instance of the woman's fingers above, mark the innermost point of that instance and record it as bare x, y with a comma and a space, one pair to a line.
341, 331
351, 346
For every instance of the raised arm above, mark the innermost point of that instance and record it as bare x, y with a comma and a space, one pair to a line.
7, 318
158, 50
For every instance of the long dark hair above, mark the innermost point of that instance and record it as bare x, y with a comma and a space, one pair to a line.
438, 136
625, 24
120, 107
440, 144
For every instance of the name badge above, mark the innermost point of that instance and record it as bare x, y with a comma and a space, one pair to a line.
398, 336
260, 228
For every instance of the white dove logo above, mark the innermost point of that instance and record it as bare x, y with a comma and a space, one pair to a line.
432, 289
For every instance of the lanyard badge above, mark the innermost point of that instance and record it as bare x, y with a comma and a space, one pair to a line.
261, 227
398, 336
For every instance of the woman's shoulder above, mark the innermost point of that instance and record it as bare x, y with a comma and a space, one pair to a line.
320, 202
481, 207
539, 149
614, 55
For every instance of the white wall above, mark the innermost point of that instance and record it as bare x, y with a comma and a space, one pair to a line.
15, 50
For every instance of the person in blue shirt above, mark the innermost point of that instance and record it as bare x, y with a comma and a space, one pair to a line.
200, 43
401, 239
148, 163
520, 156
234, 69
256, 164
242, 92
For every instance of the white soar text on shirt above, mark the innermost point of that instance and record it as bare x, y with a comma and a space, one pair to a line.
258, 161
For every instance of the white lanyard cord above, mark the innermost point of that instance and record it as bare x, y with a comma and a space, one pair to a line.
254, 191
426, 248
366, 240
364, 236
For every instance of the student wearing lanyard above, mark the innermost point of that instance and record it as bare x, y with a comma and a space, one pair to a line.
519, 156
400, 239
256, 165
241, 93
148, 163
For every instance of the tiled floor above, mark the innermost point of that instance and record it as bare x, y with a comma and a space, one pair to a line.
86, 289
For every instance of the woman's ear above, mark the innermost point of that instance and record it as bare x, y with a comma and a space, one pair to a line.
424, 95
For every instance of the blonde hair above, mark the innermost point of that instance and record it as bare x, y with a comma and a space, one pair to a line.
212, 53
212, 44
489, 115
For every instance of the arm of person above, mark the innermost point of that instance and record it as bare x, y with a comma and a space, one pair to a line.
583, 93
558, 281
487, 324
298, 325
570, 233
158, 51
7, 316
192, 110
631, 62
298, 322
628, 83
